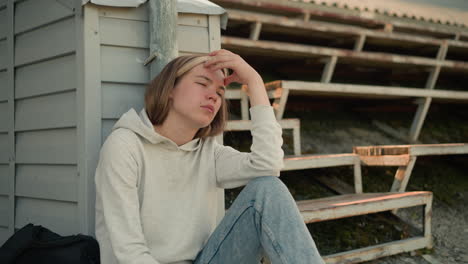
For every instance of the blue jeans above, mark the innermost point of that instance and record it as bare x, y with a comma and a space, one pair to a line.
264, 219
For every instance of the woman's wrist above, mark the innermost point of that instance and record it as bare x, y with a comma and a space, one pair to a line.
255, 81
257, 92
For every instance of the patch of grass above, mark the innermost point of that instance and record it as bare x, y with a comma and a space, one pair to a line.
445, 176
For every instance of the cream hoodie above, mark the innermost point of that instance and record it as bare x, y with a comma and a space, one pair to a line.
157, 202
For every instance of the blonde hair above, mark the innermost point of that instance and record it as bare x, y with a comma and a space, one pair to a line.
157, 95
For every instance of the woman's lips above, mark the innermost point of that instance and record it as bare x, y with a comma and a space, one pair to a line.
209, 107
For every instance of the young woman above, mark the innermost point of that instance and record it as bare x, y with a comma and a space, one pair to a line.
161, 173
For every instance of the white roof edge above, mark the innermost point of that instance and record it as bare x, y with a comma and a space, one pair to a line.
183, 6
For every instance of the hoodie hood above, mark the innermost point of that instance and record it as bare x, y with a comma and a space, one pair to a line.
141, 125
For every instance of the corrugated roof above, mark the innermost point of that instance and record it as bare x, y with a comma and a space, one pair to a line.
398, 8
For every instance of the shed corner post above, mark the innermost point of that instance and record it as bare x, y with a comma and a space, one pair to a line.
88, 124
163, 34
10, 99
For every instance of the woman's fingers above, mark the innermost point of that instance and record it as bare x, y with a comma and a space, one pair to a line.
221, 65
217, 59
213, 53
221, 55
242, 71
220, 51
231, 78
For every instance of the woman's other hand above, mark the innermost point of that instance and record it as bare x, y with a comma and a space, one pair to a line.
243, 73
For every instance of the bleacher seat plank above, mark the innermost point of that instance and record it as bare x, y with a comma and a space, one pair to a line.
347, 205
288, 123
318, 161
289, 49
394, 160
378, 251
412, 150
438, 149
281, 22
242, 125
305, 88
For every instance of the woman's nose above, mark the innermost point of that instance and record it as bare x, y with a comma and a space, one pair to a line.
212, 96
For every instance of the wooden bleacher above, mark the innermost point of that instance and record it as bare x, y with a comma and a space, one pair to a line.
353, 201
289, 123
278, 23
282, 89
245, 124
308, 51
391, 45
361, 203
419, 47
404, 156
316, 14
349, 205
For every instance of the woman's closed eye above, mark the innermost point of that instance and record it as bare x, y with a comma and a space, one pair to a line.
219, 92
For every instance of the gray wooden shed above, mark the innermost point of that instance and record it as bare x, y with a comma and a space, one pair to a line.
68, 71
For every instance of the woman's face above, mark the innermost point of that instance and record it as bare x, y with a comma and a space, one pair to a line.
197, 97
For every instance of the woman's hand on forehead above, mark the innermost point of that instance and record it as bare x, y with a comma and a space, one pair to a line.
242, 72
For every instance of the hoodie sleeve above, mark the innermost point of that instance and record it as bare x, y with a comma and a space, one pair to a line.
234, 168
116, 188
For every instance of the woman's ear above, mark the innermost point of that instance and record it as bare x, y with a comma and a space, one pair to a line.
171, 93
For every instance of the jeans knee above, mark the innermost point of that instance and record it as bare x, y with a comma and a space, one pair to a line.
271, 184
270, 193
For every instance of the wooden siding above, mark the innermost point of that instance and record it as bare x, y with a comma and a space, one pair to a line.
44, 99
55, 146
139, 14
27, 15
4, 148
61, 217
123, 75
119, 98
4, 234
127, 33
4, 214
45, 188
3, 86
197, 20
193, 39
3, 55
45, 105
56, 182
3, 23
4, 179
44, 112
4, 117
107, 125
51, 76
49, 41
124, 65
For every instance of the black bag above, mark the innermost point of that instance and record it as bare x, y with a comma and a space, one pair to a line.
36, 244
